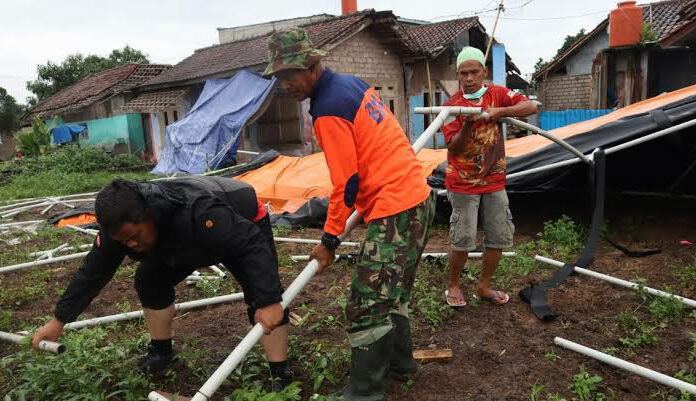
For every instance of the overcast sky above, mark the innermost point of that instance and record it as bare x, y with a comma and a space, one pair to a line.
35, 31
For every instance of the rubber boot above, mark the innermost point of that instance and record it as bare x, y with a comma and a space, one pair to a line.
402, 365
281, 379
154, 362
370, 366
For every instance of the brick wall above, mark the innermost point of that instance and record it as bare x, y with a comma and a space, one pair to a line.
566, 92
363, 56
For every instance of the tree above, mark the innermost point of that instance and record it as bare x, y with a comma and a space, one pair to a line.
54, 77
10, 112
567, 43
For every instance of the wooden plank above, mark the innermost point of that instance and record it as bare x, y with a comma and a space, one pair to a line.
428, 355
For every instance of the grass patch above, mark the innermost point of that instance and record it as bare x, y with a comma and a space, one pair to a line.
66, 170
562, 238
93, 368
428, 294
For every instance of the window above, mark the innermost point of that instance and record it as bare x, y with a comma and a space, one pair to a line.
391, 105
176, 116
166, 119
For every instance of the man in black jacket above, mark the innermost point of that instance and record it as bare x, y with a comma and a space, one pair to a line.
172, 228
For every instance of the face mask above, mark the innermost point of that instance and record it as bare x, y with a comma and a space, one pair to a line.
476, 95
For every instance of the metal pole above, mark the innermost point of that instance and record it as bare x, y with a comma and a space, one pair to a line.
457, 110
48, 346
253, 337
310, 241
42, 262
631, 367
301, 258
611, 150
136, 314
618, 281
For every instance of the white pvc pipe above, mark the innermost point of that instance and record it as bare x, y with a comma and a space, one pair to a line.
48, 346
20, 223
83, 230
24, 208
18, 204
455, 110
57, 259
625, 365
219, 271
202, 278
253, 337
301, 258
136, 314
310, 241
618, 281
50, 253
69, 248
247, 152
611, 150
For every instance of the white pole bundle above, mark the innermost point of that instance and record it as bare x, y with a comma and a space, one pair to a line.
42, 262
83, 230
248, 342
137, 314
309, 241
48, 346
618, 281
300, 258
625, 365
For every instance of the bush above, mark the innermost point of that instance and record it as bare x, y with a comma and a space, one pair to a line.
561, 238
35, 142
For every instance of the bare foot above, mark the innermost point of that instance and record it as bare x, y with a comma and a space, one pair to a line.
455, 297
497, 297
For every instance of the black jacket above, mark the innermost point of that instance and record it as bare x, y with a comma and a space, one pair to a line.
199, 224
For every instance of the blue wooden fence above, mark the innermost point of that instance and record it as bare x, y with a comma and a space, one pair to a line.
556, 119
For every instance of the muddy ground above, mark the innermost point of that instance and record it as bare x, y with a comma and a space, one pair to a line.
500, 352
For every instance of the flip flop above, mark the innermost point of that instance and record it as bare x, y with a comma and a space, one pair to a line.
457, 303
498, 298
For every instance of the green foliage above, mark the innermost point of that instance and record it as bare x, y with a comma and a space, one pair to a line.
10, 112
67, 169
290, 393
689, 377
562, 238
5, 320
324, 363
640, 334
666, 309
648, 34
567, 43
692, 353
53, 77
281, 230
428, 296
552, 356
555, 397
585, 387
687, 274
535, 392
35, 142
93, 368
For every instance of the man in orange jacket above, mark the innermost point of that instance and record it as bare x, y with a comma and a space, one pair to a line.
374, 171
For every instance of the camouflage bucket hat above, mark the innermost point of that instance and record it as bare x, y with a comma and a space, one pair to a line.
291, 50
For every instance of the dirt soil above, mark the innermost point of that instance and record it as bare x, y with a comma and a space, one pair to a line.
499, 351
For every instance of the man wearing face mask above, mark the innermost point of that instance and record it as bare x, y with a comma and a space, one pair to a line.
172, 228
374, 171
475, 177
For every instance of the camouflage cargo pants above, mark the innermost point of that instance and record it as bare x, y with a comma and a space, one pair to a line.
386, 271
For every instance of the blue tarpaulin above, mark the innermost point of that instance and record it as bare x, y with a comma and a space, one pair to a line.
209, 134
64, 133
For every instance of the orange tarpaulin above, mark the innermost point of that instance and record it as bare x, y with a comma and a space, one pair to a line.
289, 182
80, 219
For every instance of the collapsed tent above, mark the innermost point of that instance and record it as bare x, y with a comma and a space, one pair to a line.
208, 136
287, 183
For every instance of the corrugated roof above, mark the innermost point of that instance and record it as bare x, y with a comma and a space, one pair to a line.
96, 87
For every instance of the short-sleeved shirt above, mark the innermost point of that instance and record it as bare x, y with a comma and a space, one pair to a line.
480, 168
